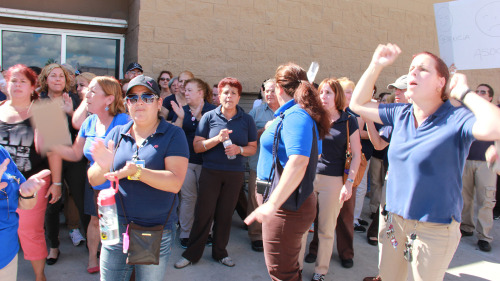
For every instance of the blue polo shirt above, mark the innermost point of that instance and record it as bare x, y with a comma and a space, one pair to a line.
244, 131
261, 115
9, 219
144, 204
296, 138
332, 161
189, 127
426, 163
168, 105
87, 131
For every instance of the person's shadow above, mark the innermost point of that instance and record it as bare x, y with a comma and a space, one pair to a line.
463, 277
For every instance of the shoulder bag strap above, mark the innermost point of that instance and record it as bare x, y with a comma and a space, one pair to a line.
348, 151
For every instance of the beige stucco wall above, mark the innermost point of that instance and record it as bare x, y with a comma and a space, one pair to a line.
248, 39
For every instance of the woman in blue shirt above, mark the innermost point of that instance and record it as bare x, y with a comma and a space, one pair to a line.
15, 192
329, 184
429, 145
222, 173
154, 155
300, 113
104, 101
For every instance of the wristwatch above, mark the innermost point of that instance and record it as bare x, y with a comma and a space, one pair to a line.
137, 175
241, 150
28, 197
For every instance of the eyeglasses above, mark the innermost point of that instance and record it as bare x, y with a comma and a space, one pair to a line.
164, 79
145, 97
481, 92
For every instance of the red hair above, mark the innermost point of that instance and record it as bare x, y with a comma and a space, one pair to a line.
26, 71
233, 82
293, 80
441, 69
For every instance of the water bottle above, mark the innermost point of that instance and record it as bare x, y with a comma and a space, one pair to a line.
108, 216
227, 143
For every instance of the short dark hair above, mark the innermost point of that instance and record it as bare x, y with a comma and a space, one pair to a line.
491, 93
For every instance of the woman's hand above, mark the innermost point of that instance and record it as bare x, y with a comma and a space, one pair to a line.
345, 192
491, 155
128, 170
385, 55
33, 183
55, 191
3, 168
262, 213
458, 85
178, 110
224, 135
103, 155
233, 149
197, 111
67, 105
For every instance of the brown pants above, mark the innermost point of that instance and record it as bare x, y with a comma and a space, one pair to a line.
282, 236
216, 201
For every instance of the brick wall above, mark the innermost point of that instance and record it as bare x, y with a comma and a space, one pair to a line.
248, 39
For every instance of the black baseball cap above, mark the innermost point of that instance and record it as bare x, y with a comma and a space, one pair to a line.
134, 65
145, 81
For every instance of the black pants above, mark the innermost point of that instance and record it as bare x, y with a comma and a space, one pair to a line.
74, 174
217, 197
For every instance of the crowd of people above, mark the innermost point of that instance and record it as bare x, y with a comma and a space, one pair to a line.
182, 151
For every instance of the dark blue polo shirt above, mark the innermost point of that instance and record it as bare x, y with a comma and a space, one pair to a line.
244, 131
189, 127
478, 149
426, 163
144, 204
168, 105
332, 161
366, 144
296, 138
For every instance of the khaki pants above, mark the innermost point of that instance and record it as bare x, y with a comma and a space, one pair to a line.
433, 250
377, 172
255, 229
9, 272
189, 195
478, 180
327, 188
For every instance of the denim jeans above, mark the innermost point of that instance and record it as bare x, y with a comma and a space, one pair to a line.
114, 266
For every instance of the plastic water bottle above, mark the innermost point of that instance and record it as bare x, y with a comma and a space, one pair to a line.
108, 215
227, 143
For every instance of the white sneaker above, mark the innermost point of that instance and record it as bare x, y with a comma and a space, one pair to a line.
76, 237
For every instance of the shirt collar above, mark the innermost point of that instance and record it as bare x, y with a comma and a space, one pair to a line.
284, 107
161, 129
239, 112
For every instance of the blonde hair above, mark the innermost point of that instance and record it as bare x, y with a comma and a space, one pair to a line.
112, 87
345, 82
87, 76
42, 78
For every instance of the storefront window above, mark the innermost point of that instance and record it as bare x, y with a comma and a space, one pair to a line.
99, 53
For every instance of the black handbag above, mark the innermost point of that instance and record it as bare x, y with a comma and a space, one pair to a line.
145, 242
305, 188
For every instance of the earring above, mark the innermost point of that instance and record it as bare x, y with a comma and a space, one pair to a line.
106, 108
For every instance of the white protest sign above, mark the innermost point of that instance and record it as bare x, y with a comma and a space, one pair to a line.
469, 33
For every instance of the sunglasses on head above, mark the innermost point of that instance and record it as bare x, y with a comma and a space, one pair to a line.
145, 97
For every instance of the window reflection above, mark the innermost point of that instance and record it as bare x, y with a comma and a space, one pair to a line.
32, 49
94, 55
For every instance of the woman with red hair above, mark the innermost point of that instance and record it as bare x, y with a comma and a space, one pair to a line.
224, 137
19, 140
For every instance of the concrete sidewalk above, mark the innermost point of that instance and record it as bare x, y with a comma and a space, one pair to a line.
468, 264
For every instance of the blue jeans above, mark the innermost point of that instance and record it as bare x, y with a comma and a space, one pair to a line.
114, 266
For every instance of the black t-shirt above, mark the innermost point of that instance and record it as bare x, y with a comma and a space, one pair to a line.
19, 140
366, 145
380, 154
168, 105
333, 156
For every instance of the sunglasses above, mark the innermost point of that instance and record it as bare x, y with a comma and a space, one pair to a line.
164, 79
145, 97
5, 196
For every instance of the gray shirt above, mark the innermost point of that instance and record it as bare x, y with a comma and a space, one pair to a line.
261, 115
